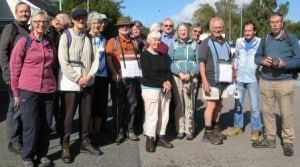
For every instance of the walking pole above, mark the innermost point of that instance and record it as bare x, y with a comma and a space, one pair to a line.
117, 109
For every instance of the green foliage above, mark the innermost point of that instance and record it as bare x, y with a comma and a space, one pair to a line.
203, 15
111, 8
257, 11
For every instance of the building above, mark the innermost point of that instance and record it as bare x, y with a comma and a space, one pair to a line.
7, 15
8, 9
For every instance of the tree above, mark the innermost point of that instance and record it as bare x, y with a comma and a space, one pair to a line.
111, 8
259, 11
203, 15
228, 10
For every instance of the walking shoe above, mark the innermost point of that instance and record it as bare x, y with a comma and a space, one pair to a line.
180, 136
255, 135
265, 143
120, 138
65, 154
288, 149
15, 147
189, 137
233, 131
150, 147
28, 163
45, 162
133, 137
164, 143
217, 133
210, 138
86, 147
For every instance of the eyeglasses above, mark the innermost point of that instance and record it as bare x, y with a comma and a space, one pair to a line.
40, 21
168, 25
195, 31
217, 28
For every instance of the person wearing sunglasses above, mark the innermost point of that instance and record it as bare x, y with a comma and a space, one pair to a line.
167, 35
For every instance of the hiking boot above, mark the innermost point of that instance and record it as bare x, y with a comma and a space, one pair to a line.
189, 137
65, 154
164, 143
255, 135
150, 147
288, 149
28, 163
233, 131
180, 136
217, 133
133, 137
86, 147
15, 147
265, 143
210, 138
45, 162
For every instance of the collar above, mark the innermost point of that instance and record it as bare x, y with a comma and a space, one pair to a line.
166, 35
123, 39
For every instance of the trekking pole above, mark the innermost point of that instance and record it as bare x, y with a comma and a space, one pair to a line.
117, 109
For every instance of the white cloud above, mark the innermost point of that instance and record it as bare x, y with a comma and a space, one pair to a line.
186, 14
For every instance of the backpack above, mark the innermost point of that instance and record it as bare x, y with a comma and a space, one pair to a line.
69, 37
194, 43
286, 38
175, 46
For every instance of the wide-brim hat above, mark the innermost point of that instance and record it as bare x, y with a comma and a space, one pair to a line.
123, 21
79, 12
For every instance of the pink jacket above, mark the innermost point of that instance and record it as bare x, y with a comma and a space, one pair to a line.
33, 71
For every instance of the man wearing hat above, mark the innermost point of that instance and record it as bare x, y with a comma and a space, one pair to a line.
123, 61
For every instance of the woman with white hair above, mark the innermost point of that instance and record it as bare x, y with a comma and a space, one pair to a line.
100, 98
162, 47
33, 84
156, 93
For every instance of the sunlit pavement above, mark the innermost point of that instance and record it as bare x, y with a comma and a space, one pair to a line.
235, 152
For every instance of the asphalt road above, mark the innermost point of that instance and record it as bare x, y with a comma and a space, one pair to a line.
235, 152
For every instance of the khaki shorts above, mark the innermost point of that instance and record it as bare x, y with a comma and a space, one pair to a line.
214, 94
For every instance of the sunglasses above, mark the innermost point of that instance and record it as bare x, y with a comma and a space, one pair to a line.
195, 31
168, 25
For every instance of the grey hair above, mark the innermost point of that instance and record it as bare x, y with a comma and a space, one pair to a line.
93, 16
63, 19
153, 35
36, 13
154, 25
196, 25
184, 25
214, 19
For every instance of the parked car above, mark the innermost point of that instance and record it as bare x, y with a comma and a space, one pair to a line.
232, 48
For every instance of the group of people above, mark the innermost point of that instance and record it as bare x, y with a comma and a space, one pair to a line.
53, 68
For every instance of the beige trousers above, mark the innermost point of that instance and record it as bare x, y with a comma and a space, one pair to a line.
184, 96
281, 91
156, 111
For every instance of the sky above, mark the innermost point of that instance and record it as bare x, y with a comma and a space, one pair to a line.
153, 11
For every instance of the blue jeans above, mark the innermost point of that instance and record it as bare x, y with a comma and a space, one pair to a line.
253, 92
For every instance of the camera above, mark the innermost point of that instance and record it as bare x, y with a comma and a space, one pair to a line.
275, 61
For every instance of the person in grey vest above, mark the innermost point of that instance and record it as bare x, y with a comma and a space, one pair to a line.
10, 35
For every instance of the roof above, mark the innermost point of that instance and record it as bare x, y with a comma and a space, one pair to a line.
52, 11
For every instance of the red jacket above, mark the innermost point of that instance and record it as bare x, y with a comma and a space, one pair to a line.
33, 71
